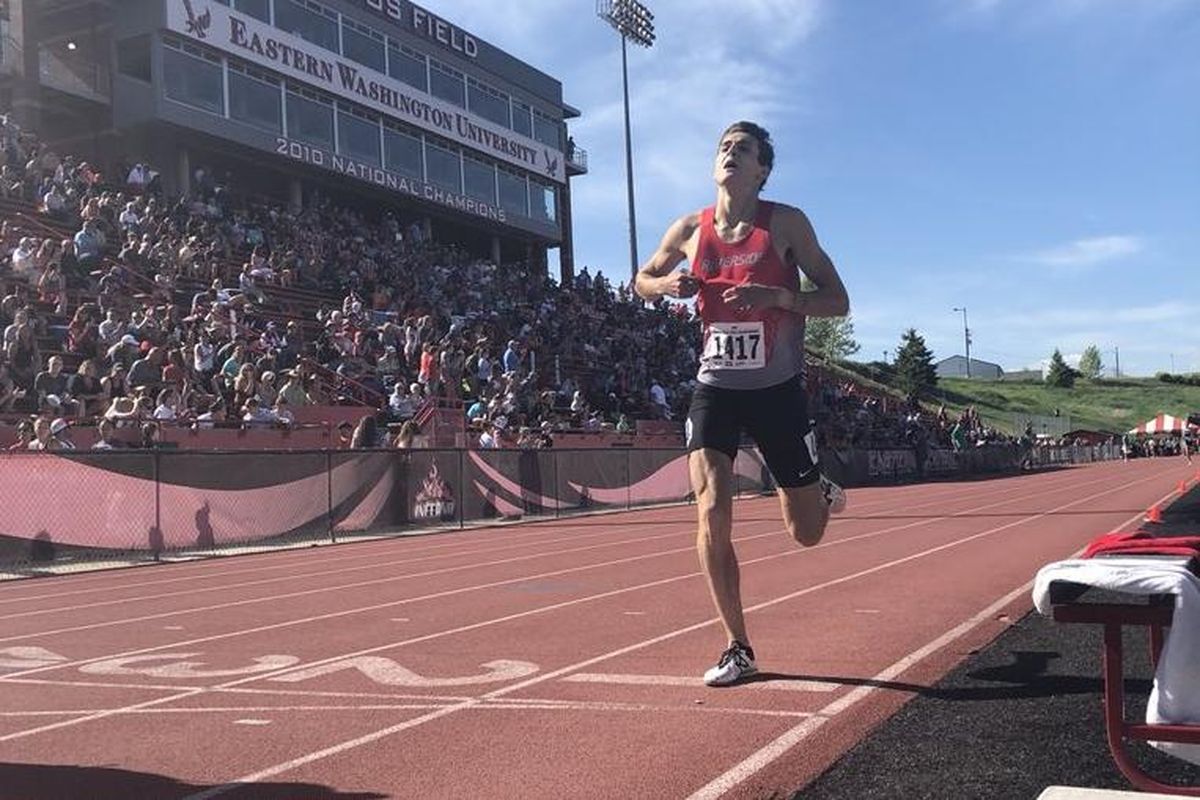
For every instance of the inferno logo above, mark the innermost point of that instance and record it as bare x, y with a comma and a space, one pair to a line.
435, 499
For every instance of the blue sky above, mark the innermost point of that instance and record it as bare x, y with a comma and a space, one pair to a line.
1037, 161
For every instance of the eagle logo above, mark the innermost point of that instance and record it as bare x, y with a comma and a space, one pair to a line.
551, 163
197, 25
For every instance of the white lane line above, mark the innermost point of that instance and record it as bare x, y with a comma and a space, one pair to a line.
810, 723
252, 722
439, 595
759, 760
212, 567
689, 682
532, 704
291, 579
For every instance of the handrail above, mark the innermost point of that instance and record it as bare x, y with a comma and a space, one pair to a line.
362, 394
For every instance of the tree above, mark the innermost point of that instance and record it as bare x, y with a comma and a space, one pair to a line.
1059, 373
914, 365
832, 338
1090, 365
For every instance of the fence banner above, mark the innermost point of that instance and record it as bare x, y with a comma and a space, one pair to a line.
63, 508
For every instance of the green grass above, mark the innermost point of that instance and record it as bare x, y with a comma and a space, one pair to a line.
1109, 405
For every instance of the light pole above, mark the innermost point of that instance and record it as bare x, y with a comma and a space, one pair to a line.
966, 337
634, 22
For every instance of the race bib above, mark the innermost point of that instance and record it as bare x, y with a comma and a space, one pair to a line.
735, 345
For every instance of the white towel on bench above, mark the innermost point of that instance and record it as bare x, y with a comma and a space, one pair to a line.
1175, 698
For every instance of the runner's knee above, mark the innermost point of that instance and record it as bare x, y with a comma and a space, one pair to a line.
807, 525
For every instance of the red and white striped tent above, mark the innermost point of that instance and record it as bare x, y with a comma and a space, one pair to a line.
1163, 423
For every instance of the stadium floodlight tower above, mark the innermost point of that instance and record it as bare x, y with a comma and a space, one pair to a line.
635, 23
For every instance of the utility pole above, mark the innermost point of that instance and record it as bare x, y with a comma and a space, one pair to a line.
1117, 356
966, 338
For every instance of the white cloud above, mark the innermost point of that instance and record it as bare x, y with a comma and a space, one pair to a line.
1088, 252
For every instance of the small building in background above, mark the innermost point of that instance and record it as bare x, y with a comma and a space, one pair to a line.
956, 367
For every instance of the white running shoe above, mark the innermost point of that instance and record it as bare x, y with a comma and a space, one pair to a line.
735, 663
833, 495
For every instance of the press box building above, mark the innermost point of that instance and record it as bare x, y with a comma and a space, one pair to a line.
380, 99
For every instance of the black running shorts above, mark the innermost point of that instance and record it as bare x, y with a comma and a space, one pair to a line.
776, 418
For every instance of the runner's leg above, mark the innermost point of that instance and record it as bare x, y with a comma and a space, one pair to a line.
712, 481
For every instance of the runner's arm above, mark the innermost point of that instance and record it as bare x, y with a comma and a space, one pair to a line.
830, 298
658, 276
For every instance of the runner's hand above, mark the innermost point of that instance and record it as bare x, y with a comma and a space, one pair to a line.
747, 296
679, 284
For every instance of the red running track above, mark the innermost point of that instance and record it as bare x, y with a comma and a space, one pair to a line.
547, 660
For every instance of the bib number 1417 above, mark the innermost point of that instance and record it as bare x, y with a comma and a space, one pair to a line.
735, 345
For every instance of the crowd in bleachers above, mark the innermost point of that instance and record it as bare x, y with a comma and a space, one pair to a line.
125, 305
212, 309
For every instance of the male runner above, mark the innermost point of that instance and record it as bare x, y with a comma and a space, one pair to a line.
744, 253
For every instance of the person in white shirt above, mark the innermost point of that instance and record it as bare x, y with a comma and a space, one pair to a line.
22, 257
129, 219
487, 439
165, 410
54, 203
658, 396
111, 329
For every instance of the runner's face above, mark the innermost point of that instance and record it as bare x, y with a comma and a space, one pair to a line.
736, 164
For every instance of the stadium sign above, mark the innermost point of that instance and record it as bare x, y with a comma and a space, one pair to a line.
217, 26
421, 22
369, 173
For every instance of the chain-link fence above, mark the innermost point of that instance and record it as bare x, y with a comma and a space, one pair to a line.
63, 511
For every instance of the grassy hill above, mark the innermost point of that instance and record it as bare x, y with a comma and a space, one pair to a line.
1109, 405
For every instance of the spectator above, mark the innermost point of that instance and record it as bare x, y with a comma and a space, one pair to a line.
24, 436
86, 388
104, 436
60, 432
88, 244
255, 415
366, 434
293, 391
512, 357
147, 371
50, 387
43, 437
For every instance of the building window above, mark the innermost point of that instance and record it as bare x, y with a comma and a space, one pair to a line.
445, 167
488, 103
358, 135
309, 117
361, 44
447, 83
193, 77
514, 193
259, 9
479, 180
133, 57
408, 66
542, 202
308, 20
254, 98
546, 130
402, 152
522, 121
